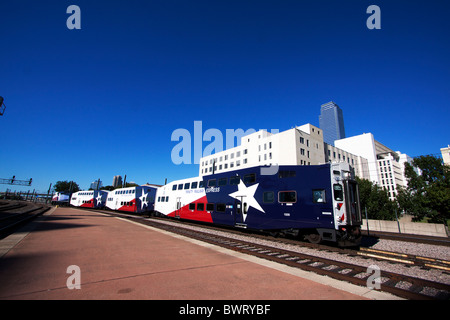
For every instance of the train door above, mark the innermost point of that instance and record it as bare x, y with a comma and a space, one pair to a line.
352, 203
240, 212
178, 208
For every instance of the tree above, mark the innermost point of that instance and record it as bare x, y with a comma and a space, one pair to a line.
428, 194
376, 200
65, 186
107, 188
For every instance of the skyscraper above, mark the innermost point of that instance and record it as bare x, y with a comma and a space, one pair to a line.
331, 121
117, 181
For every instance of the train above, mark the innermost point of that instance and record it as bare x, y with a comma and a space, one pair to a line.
137, 199
316, 202
89, 199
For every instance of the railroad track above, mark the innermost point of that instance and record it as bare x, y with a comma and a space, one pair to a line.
16, 214
398, 284
380, 255
407, 259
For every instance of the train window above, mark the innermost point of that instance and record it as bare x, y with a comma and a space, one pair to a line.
191, 206
210, 207
287, 196
338, 192
220, 207
319, 196
268, 197
194, 185
212, 183
250, 178
235, 180
200, 206
186, 185
174, 187
222, 181
286, 173
201, 184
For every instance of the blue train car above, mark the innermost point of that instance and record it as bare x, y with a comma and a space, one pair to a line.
316, 202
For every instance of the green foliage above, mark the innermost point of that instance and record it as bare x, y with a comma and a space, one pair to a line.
376, 200
65, 186
108, 188
428, 194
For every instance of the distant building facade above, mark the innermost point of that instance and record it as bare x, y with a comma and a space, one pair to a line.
446, 154
385, 167
96, 185
301, 145
117, 181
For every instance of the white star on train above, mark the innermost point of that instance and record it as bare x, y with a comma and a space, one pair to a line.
143, 202
249, 194
99, 199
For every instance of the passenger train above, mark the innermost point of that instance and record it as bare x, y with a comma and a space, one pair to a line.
89, 199
135, 199
318, 202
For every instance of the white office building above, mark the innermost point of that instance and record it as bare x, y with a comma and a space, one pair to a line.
301, 145
384, 166
446, 154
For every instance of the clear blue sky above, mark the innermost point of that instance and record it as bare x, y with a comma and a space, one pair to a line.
104, 100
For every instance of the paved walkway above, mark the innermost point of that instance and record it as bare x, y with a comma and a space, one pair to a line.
118, 259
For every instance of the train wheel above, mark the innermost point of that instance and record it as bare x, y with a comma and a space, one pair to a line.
313, 238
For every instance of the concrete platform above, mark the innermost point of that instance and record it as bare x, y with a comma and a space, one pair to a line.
118, 259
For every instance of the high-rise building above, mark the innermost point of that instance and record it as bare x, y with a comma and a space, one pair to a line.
96, 185
331, 122
117, 181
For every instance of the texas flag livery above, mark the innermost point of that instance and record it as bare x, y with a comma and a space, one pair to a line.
317, 202
134, 199
89, 199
